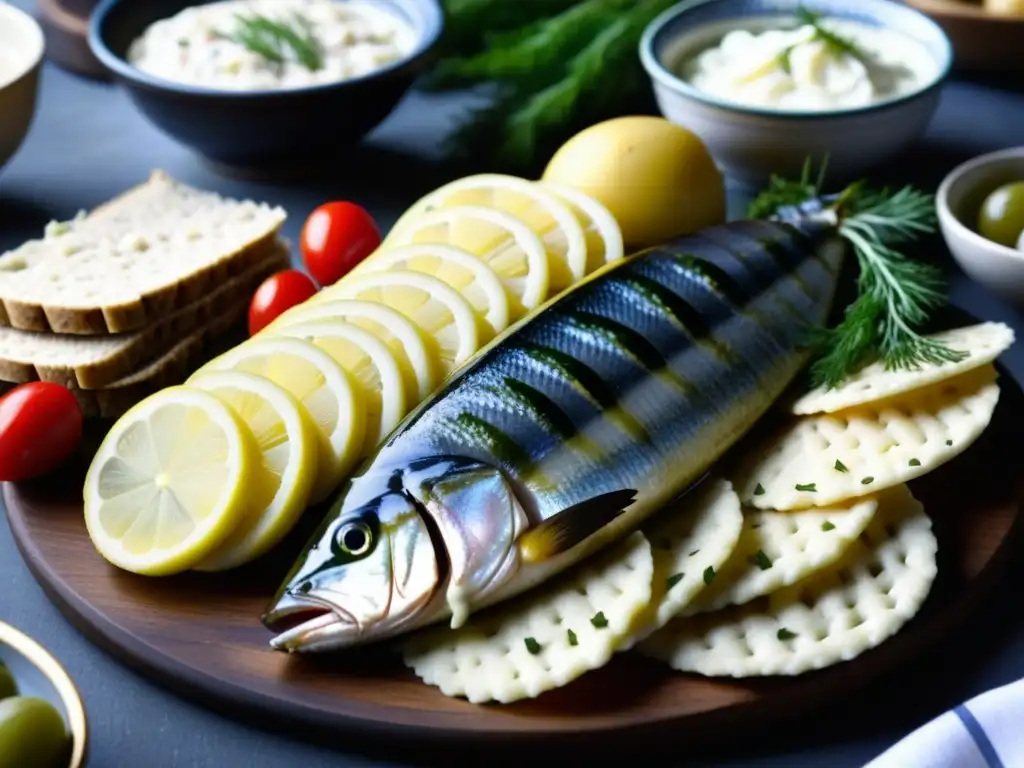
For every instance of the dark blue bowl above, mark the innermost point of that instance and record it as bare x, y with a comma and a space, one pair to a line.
261, 130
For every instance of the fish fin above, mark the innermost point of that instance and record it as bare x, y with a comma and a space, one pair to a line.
569, 527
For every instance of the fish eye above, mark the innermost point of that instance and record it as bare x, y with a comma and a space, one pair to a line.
355, 538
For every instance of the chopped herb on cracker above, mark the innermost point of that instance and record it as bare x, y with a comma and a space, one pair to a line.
761, 560
674, 579
532, 646
599, 620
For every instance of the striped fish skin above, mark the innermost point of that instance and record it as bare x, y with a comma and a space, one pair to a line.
637, 380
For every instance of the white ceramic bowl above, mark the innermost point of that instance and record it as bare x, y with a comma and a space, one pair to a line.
751, 143
21, 58
959, 199
38, 674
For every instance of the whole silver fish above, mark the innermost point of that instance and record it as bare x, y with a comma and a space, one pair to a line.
565, 434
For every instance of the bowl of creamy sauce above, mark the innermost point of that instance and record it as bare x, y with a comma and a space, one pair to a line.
832, 64
259, 45
770, 84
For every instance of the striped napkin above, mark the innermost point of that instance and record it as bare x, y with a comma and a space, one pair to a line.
986, 732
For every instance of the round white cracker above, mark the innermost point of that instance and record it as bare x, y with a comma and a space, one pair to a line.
545, 639
690, 542
878, 445
832, 616
983, 343
777, 549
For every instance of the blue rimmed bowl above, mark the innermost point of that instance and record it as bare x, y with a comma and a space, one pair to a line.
751, 143
262, 130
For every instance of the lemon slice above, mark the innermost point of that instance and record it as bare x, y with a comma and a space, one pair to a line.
434, 306
544, 213
370, 363
503, 242
169, 483
460, 269
413, 352
280, 485
326, 391
601, 230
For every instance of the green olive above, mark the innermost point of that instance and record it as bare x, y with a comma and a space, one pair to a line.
7, 685
1001, 218
32, 734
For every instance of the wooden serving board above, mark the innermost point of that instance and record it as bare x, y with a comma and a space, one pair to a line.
201, 635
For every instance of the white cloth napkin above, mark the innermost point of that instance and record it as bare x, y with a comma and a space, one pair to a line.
986, 732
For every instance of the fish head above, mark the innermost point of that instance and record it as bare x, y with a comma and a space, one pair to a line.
370, 571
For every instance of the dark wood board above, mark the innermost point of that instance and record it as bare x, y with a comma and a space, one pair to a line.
201, 635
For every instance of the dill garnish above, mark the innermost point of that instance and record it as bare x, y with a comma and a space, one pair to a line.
896, 296
835, 44
269, 39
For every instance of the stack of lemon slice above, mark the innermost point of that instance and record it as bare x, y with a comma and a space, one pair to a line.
211, 475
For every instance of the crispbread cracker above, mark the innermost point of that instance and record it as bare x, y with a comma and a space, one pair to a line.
777, 549
545, 639
983, 343
95, 362
690, 542
878, 445
832, 616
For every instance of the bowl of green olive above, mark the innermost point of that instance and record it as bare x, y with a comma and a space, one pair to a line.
42, 720
980, 206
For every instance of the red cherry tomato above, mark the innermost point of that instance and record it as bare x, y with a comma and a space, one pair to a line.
40, 425
335, 238
276, 294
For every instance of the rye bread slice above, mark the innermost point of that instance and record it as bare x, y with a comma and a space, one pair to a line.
148, 252
94, 362
170, 369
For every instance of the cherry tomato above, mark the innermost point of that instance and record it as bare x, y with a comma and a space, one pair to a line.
40, 425
335, 238
276, 294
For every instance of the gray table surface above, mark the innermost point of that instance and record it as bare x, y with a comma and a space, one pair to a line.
88, 143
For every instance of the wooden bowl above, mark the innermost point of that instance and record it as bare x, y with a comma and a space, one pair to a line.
66, 25
982, 40
38, 674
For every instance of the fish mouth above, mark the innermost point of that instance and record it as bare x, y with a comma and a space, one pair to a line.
307, 623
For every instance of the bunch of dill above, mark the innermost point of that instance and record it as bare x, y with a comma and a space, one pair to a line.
557, 67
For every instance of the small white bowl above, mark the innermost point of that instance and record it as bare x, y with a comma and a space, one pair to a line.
752, 143
959, 199
21, 58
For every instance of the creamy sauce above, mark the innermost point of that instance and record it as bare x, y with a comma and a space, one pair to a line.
10, 67
351, 38
794, 69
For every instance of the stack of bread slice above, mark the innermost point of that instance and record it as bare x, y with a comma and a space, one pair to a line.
130, 298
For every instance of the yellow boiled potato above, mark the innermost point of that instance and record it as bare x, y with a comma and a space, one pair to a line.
656, 178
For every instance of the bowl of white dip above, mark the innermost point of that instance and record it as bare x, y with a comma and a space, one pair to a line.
266, 84
767, 84
21, 57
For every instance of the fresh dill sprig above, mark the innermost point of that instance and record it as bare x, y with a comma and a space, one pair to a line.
896, 296
835, 43
783, 192
269, 39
